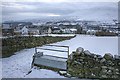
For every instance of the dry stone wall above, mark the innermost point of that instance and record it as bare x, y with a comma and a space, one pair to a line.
83, 64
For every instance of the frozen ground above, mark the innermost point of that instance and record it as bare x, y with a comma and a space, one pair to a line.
97, 45
17, 66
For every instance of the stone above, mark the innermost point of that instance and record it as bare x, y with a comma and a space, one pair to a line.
104, 76
102, 60
110, 62
62, 72
71, 56
114, 76
109, 72
93, 74
99, 56
104, 67
104, 70
117, 70
108, 56
68, 75
87, 52
92, 55
79, 50
117, 73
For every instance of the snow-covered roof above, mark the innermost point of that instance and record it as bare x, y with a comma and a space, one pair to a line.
73, 29
6, 26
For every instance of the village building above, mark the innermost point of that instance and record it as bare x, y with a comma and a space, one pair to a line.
7, 30
33, 31
49, 30
69, 30
56, 30
24, 30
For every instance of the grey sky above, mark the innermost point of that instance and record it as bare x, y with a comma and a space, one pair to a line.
80, 10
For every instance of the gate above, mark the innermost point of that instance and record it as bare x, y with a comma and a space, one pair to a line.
50, 60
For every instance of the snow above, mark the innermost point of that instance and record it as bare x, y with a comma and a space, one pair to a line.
17, 66
43, 73
97, 45
53, 35
61, 35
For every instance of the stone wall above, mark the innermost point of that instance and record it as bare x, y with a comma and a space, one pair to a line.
84, 64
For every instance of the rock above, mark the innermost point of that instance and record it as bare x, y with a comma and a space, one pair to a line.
108, 56
109, 72
71, 55
79, 50
68, 75
114, 76
62, 73
104, 67
92, 55
99, 56
104, 76
117, 70
102, 60
117, 73
110, 63
104, 70
87, 52
93, 74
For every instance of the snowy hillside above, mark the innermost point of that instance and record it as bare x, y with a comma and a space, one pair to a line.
17, 66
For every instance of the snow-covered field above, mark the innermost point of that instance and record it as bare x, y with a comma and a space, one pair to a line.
17, 66
97, 45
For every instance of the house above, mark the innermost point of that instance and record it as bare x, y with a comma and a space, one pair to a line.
44, 30
73, 30
49, 30
7, 30
33, 31
56, 30
69, 30
17, 29
91, 32
24, 30
29, 31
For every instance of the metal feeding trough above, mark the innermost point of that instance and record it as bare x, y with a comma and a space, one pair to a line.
56, 62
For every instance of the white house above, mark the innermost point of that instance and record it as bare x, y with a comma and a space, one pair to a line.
49, 30
24, 30
69, 30
33, 31
73, 30
91, 32
56, 30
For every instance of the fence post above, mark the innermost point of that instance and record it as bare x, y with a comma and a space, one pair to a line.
67, 58
68, 51
35, 50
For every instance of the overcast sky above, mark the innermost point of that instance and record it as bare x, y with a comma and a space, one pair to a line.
80, 10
